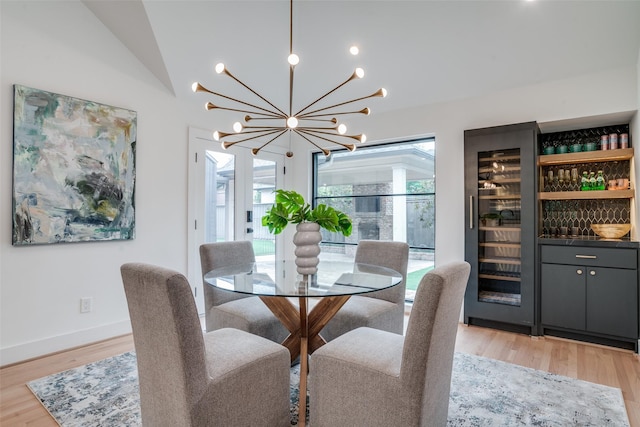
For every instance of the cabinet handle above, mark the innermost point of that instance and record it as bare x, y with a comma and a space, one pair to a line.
579, 271
592, 272
471, 212
587, 256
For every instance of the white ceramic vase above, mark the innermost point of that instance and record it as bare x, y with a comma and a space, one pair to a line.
307, 241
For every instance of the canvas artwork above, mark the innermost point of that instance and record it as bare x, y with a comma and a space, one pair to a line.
73, 169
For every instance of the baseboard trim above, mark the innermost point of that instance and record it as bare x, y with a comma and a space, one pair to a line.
31, 350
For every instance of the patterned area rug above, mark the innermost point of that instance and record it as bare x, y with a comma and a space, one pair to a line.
484, 392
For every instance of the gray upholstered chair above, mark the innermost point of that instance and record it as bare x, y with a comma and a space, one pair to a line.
225, 309
227, 377
382, 309
369, 377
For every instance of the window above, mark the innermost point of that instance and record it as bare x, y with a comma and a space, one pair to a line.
389, 193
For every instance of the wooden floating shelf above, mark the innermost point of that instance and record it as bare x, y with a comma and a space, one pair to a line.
586, 195
586, 157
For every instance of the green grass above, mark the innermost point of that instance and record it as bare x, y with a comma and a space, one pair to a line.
413, 278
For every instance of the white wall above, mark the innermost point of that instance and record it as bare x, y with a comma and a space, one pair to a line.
62, 48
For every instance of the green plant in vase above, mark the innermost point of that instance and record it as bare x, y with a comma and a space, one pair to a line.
291, 208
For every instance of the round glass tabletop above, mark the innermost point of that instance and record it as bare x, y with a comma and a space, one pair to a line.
280, 278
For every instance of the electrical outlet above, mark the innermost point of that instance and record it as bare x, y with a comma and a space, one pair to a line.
86, 304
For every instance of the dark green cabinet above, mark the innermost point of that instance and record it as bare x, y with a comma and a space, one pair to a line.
590, 292
500, 220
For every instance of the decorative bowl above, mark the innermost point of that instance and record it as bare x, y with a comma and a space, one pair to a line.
575, 148
590, 146
611, 231
550, 150
561, 149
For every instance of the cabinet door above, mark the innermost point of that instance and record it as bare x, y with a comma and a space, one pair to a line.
612, 301
563, 296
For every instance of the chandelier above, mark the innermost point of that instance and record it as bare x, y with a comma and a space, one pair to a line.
313, 124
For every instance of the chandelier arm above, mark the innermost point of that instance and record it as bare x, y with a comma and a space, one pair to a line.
200, 88
350, 147
291, 67
255, 151
312, 119
290, 89
326, 152
272, 129
228, 73
310, 116
377, 93
268, 116
227, 144
353, 76
264, 127
249, 118
290, 27
316, 133
317, 128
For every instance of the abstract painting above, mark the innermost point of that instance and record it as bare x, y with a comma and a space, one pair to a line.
73, 169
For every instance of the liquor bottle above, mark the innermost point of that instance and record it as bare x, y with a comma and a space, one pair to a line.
584, 182
592, 180
600, 183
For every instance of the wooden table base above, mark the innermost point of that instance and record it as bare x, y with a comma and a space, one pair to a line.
304, 333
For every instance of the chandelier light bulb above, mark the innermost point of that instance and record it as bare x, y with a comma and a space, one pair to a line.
219, 67
237, 127
359, 73
194, 86
384, 92
293, 59
342, 129
363, 138
216, 136
292, 122
354, 50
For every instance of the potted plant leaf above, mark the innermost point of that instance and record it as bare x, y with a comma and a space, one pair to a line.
291, 208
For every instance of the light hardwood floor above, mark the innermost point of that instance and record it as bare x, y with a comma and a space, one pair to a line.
603, 365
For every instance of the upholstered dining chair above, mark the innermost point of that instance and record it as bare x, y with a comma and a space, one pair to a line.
225, 309
226, 377
381, 309
368, 377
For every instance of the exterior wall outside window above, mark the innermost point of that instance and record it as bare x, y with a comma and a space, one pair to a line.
389, 193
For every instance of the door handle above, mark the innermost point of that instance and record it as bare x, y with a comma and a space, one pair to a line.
471, 212
579, 272
592, 272
249, 230
586, 256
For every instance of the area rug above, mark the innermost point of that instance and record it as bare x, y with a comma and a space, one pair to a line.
484, 392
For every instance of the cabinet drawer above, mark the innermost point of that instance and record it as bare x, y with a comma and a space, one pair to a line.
596, 257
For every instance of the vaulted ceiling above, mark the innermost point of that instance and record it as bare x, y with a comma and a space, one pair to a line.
423, 52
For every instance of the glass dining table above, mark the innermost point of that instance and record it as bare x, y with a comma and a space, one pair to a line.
318, 296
